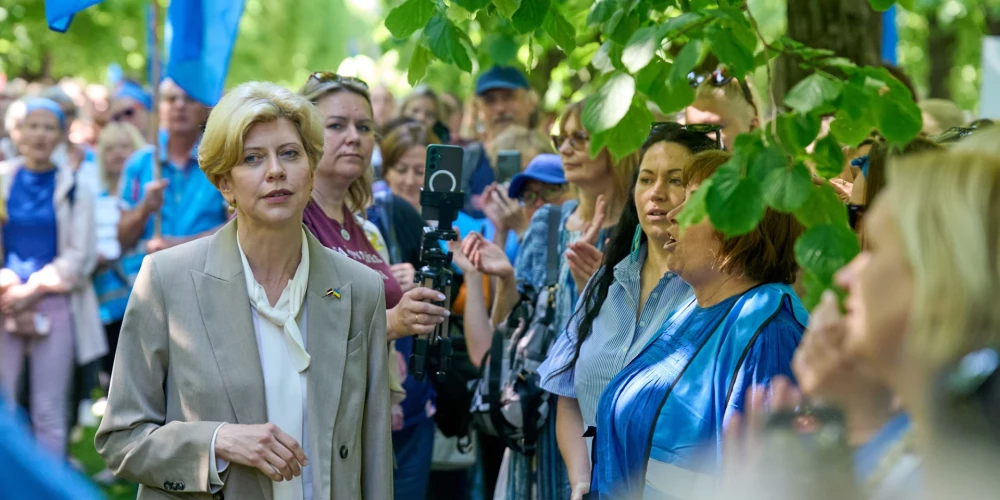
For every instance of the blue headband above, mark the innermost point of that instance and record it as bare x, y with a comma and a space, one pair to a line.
135, 92
47, 105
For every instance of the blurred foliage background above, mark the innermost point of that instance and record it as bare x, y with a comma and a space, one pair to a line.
283, 41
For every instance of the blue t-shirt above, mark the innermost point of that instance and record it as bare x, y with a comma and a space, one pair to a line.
29, 237
191, 204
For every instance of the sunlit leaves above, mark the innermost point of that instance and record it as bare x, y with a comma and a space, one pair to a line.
786, 189
822, 207
731, 50
797, 130
530, 15
507, 8
560, 30
448, 42
825, 249
828, 157
606, 108
409, 17
472, 5
735, 203
815, 92
641, 48
627, 136
695, 208
419, 61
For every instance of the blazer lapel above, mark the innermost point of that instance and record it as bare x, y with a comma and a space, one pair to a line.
225, 310
327, 326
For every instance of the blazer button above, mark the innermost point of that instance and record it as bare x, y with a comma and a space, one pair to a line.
218, 496
343, 452
167, 485
180, 486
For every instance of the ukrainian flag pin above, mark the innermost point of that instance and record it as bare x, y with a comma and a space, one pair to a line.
334, 292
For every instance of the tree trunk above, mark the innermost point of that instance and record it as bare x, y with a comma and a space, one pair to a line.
941, 44
850, 28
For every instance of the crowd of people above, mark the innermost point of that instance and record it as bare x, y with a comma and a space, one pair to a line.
249, 300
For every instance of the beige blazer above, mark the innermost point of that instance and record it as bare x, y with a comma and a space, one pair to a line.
76, 259
187, 361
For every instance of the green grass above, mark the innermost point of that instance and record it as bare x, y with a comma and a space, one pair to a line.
84, 451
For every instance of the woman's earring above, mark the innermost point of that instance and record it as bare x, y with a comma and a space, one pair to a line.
636, 242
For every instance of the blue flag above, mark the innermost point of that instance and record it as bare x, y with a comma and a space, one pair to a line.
59, 13
201, 42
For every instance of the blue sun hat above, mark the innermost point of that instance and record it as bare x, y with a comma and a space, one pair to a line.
545, 168
41, 103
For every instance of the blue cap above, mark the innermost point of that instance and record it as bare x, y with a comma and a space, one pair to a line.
545, 168
47, 105
501, 77
133, 91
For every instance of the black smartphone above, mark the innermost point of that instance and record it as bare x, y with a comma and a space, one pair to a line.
443, 174
508, 165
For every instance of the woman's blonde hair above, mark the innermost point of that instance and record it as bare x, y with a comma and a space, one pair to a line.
528, 142
108, 134
243, 107
947, 206
622, 170
359, 193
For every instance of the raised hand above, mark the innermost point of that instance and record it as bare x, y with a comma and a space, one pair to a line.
486, 256
584, 260
404, 274
264, 447
504, 212
593, 229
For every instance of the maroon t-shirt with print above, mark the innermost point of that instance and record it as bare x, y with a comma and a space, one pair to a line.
350, 240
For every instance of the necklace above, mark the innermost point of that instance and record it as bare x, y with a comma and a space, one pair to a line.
345, 234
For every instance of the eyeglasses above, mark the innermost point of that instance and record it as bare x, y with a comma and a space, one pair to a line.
329, 76
719, 78
577, 140
854, 215
547, 194
699, 128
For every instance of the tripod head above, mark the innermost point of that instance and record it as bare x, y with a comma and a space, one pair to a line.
440, 200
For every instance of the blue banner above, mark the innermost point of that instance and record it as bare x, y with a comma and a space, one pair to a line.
202, 35
59, 13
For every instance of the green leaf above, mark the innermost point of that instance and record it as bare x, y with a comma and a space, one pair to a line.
735, 203
882, 5
472, 5
600, 12
670, 96
530, 15
410, 16
797, 130
447, 42
641, 48
695, 208
604, 59
686, 60
628, 135
764, 162
419, 61
822, 207
817, 91
855, 118
681, 22
898, 117
560, 30
502, 48
507, 8
626, 28
825, 249
815, 286
730, 51
786, 189
828, 157
611, 103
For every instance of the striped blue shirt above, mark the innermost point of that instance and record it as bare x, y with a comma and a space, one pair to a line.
617, 336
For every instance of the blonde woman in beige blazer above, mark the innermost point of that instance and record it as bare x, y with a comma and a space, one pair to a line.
252, 363
48, 310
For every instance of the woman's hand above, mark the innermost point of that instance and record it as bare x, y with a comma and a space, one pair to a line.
8, 278
415, 315
742, 448
18, 298
504, 212
264, 447
579, 490
584, 260
487, 257
405, 274
822, 369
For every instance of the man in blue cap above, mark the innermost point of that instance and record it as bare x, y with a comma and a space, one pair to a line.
505, 99
131, 103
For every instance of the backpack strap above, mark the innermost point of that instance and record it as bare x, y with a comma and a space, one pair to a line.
552, 252
494, 379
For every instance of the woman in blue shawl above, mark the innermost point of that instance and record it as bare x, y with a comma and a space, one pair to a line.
660, 421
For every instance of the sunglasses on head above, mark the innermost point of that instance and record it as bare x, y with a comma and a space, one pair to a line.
329, 76
698, 128
719, 78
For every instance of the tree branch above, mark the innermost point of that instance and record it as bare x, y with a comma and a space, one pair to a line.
770, 79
